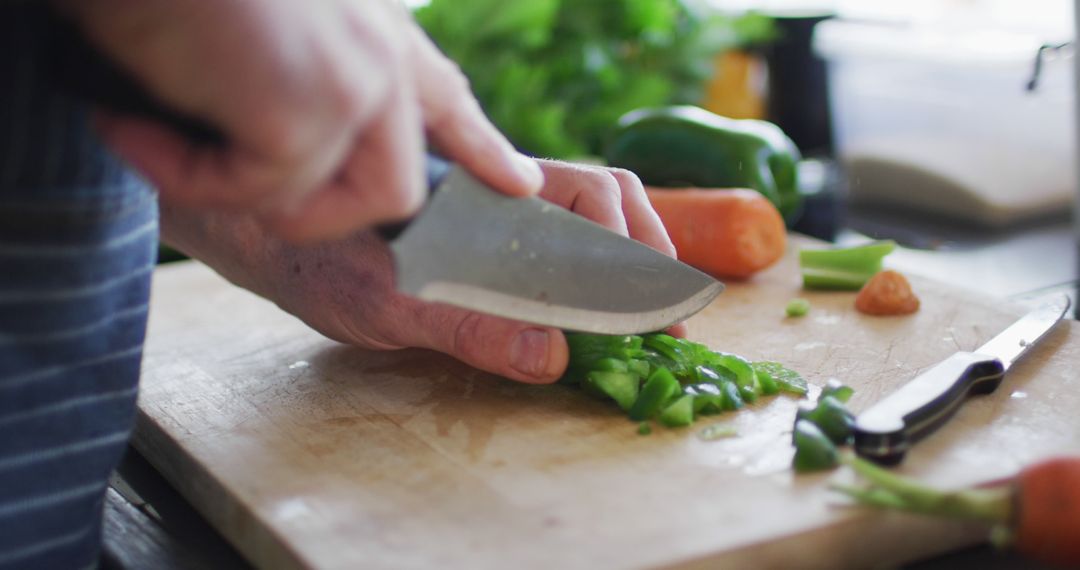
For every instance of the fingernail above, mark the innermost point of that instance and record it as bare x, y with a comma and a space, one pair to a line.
529, 171
529, 352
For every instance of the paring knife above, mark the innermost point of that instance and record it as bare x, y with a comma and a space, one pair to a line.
470, 246
529, 260
886, 431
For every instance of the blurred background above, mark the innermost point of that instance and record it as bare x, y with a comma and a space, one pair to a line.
947, 125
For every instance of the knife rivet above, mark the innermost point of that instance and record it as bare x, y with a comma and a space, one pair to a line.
1023, 342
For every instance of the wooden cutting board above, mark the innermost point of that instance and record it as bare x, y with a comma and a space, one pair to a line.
306, 453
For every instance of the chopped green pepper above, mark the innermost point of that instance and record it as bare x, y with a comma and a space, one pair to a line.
797, 307
620, 386
656, 392
786, 379
679, 413
831, 416
834, 388
717, 431
644, 428
814, 451
843, 268
671, 379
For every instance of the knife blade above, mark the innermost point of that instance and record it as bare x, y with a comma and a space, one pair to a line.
529, 260
885, 432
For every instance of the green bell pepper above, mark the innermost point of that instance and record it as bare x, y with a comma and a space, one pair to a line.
689, 146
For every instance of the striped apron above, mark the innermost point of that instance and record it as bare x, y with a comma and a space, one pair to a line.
78, 239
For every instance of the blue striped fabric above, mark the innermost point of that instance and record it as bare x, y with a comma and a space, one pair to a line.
78, 238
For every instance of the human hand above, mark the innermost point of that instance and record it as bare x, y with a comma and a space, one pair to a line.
324, 106
345, 289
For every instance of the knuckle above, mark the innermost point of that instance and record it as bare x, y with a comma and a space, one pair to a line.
628, 181
467, 343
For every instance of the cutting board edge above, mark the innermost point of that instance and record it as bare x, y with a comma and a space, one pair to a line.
229, 515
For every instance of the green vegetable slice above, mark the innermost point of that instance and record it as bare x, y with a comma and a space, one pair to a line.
717, 431
786, 379
831, 416
843, 268
656, 392
679, 413
797, 308
814, 451
834, 388
619, 386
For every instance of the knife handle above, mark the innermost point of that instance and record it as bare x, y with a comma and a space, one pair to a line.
886, 431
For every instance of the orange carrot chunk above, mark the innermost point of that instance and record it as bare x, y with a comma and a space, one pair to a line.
887, 293
1047, 521
730, 232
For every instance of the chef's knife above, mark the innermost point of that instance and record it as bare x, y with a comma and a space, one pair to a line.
885, 431
529, 260
470, 246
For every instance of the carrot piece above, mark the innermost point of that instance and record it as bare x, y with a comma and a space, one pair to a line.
887, 293
729, 232
1047, 521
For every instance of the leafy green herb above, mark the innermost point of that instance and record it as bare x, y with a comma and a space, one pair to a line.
555, 75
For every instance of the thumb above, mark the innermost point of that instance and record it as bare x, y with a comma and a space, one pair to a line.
515, 350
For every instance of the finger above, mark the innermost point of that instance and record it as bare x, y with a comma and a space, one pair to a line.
588, 191
678, 330
519, 351
458, 128
642, 221
382, 179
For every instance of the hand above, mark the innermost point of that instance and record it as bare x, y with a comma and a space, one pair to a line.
345, 289
324, 105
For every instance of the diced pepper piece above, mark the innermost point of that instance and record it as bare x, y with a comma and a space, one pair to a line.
843, 268
679, 413
732, 400
644, 428
587, 349
669, 346
659, 388
619, 386
831, 416
768, 383
610, 365
717, 431
745, 378
639, 367
797, 308
837, 390
814, 451
786, 379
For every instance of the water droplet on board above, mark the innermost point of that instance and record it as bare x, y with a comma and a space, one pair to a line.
299, 365
1019, 395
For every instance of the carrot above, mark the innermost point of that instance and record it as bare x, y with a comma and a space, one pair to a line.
1047, 517
731, 232
887, 293
1037, 512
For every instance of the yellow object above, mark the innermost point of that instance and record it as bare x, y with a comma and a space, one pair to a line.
737, 89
